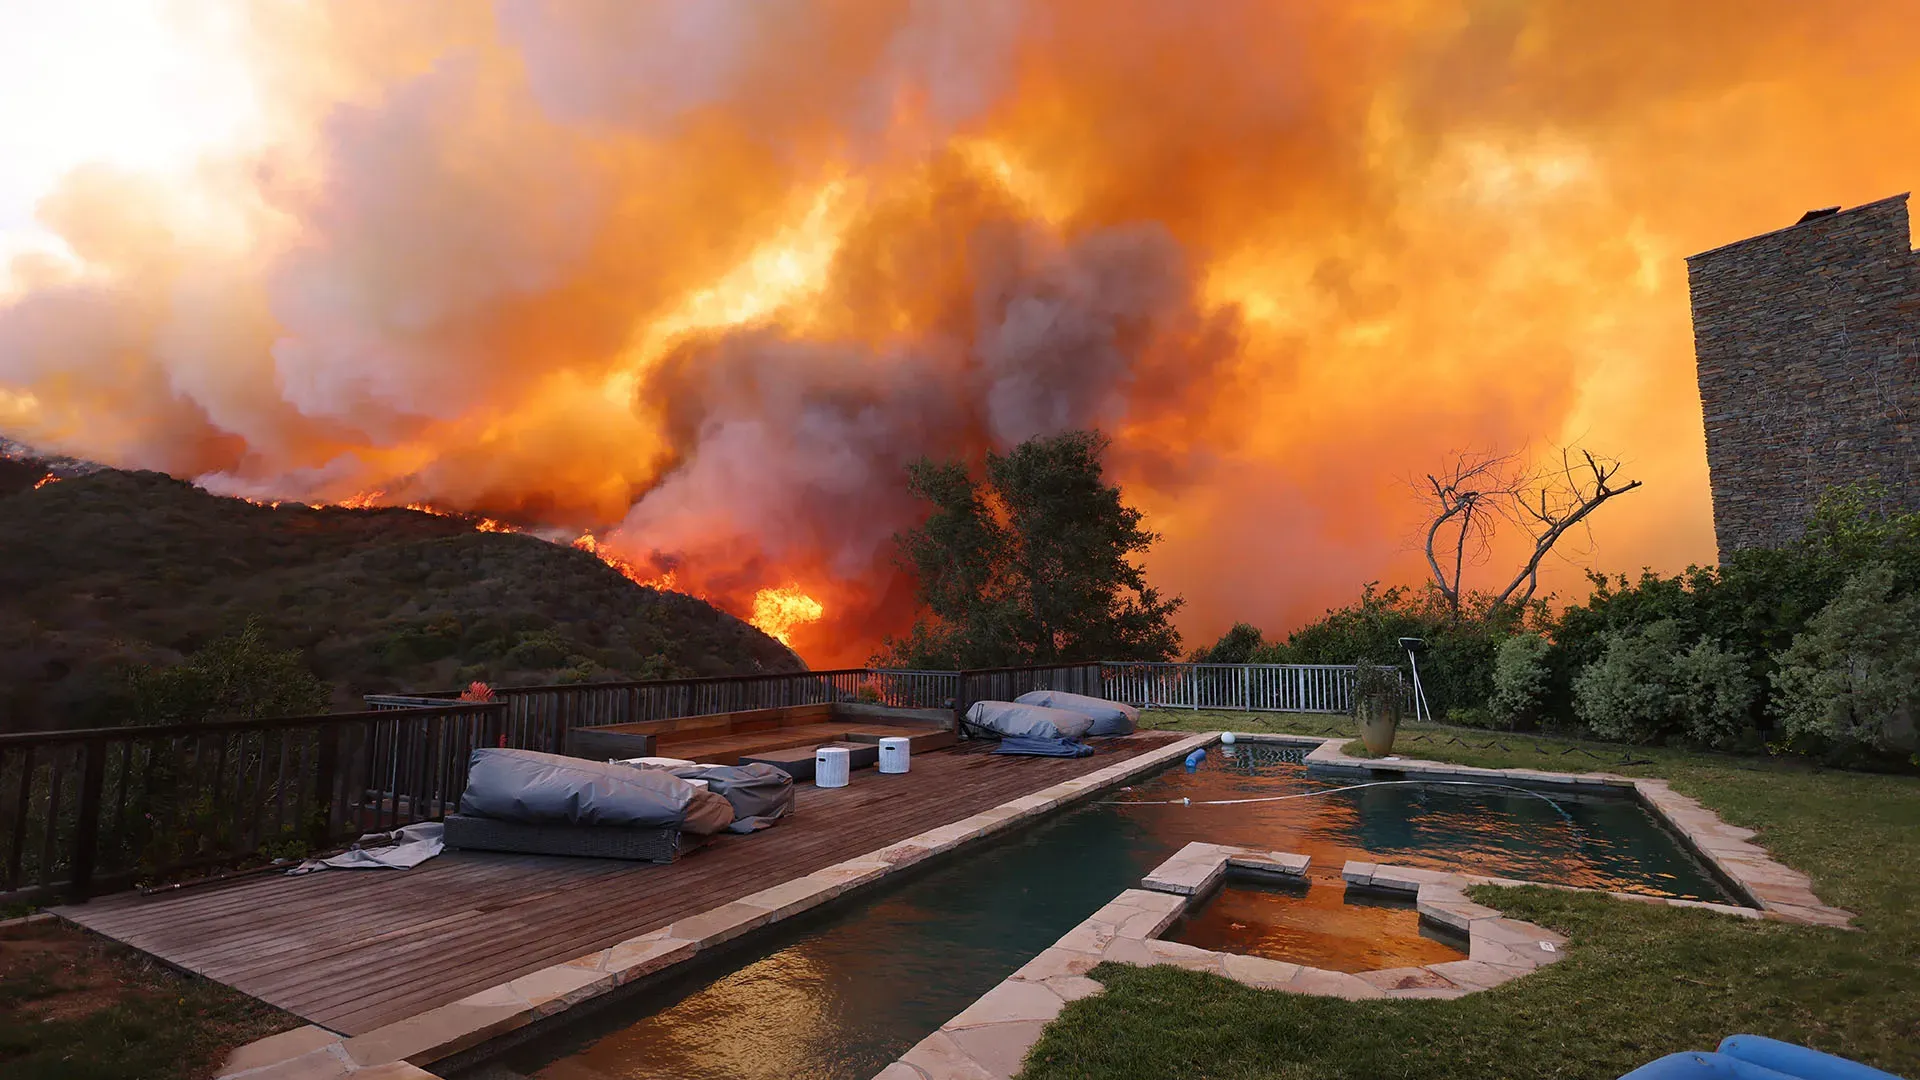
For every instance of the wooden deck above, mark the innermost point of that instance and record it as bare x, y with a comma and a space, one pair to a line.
353, 950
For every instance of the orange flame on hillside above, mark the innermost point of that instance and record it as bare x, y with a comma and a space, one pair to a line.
44, 481
777, 612
703, 286
590, 544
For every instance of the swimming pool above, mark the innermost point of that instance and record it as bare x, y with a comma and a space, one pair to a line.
840, 992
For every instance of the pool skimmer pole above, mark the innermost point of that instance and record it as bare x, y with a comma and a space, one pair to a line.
1414, 647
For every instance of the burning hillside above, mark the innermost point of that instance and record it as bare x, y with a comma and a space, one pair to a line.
112, 569
698, 280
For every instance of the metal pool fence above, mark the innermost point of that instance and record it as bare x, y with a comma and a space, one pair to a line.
1319, 688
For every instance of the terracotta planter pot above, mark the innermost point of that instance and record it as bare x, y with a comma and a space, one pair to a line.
1377, 729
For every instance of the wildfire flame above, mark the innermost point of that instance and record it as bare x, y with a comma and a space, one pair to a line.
777, 612
590, 544
44, 481
703, 287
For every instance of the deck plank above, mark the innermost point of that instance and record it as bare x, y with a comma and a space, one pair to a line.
356, 950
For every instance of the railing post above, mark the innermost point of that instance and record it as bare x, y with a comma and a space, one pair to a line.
325, 785
86, 837
562, 723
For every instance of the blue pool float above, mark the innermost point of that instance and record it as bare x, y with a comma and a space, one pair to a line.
1194, 759
1752, 1057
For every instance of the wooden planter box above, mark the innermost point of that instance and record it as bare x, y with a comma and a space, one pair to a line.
732, 738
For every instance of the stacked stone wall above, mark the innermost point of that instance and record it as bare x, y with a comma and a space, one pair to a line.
1808, 346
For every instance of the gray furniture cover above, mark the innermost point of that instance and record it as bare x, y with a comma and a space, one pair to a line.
759, 794
531, 788
1109, 717
1007, 718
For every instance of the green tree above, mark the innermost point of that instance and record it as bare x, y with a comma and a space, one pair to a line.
240, 676
1030, 563
1239, 645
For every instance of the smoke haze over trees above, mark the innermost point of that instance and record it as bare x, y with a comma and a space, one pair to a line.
704, 277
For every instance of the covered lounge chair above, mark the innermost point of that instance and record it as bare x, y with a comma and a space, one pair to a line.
545, 804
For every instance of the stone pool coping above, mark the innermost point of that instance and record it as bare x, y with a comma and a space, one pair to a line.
397, 1051
990, 1038
1780, 891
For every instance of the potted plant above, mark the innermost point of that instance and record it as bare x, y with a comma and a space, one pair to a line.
1377, 694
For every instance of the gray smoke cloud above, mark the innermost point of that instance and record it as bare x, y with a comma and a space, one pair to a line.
797, 449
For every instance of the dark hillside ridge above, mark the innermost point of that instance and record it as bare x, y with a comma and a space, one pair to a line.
113, 568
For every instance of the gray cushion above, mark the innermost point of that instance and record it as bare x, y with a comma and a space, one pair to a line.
1007, 718
1109, 717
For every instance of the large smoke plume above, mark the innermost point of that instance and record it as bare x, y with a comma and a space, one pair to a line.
704, 277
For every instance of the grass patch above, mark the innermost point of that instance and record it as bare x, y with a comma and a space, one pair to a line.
1638, 981
74, 1006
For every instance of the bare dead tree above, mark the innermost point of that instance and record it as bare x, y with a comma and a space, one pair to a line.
1560, 500
1465, 501
1468, 500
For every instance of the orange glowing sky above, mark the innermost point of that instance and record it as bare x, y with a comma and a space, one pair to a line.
702, 277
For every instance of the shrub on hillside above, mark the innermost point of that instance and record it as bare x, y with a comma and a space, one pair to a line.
1851, 680
1522, 682
236, 677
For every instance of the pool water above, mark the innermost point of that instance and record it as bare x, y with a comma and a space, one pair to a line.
1331, 928
840, 992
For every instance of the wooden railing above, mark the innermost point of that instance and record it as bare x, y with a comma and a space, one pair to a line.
1005, 684
539, 717
83, 811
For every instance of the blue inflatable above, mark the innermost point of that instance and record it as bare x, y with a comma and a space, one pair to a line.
1751, 1057
1194, 759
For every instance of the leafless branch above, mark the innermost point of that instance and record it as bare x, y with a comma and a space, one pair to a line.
1464, 500
1467, 500
1560, 500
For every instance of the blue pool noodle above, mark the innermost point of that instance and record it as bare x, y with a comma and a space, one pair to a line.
1752, 1057
1797, 1060
1194, 759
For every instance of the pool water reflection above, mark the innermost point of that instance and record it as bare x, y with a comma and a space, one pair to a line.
839, 993
1327, 927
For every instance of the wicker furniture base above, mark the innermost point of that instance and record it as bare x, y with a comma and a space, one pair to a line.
595, 841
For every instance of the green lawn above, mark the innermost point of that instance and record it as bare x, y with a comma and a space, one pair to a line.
74, 1006
1637, 982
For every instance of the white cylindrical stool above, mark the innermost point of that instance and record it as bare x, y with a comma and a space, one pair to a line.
830, 767
894, 753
